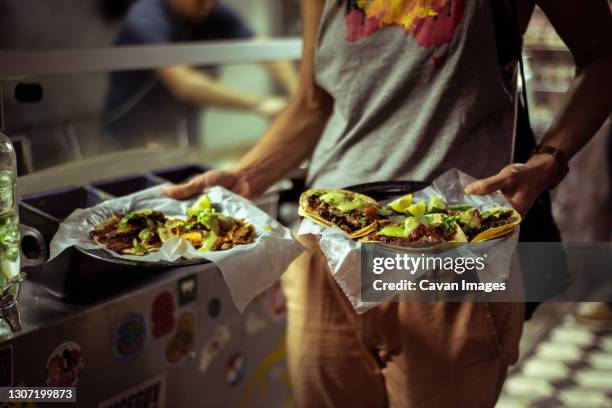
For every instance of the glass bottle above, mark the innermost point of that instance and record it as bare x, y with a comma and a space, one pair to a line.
10, 273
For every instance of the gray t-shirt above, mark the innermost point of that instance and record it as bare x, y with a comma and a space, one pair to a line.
417, 91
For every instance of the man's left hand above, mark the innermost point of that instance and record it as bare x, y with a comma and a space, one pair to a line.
521, 183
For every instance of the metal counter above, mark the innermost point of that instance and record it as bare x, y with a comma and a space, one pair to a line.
197, 350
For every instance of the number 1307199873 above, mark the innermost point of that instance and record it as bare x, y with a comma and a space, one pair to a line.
37, 394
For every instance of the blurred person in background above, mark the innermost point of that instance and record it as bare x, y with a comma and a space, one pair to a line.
406, 90
160, 104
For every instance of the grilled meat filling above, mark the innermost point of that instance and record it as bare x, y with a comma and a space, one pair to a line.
351, 222
423, 233
116, 239
239, 234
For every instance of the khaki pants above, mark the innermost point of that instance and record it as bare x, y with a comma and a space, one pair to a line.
409, 354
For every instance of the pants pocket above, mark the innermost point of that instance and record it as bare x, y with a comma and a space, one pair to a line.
493, 326
505, 324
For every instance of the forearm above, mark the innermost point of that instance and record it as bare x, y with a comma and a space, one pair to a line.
290, 139
209, 92
198, 88
587, 104
285, 73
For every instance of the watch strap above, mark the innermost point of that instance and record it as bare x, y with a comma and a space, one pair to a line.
559, 156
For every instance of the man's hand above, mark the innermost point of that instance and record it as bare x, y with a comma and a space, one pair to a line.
231, 180
520, 183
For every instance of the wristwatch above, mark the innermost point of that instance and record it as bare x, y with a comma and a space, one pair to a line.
559, 156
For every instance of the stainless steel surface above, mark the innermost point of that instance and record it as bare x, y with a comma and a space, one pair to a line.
136, 161
16, 64
260, 382
40, 310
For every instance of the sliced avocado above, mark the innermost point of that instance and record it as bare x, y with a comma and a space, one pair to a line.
401, 204
410, 224
459, 234
435, 219
145, 235
333, 197
396, 231
436, 205
342, 202
349, 206
417, 208
460, 207
468, 219
209, 241
207, 217
495, 212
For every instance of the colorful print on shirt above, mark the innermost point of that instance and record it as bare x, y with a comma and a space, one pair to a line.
431, 22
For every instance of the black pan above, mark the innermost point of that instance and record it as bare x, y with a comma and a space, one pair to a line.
105, 256
384, 190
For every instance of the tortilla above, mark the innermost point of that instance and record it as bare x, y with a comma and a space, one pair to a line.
147, 230
351, 219
499, 231
135, 233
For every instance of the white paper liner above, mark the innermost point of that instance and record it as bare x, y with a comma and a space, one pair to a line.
248, 269
343, 254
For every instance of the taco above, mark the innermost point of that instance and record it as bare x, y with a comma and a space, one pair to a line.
354, 213
480, 225
425, 229
144, 231
135, 233
209, 230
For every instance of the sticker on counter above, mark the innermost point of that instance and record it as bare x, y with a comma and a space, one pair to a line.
214, 307
270, 373
129, 337
276, 302
183, 341
254, 321
213, 346
255, 318
149, 394
162, 314
65, 365
6, 366
187, 289
236, 367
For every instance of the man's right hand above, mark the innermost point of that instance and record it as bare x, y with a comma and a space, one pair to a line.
231, 180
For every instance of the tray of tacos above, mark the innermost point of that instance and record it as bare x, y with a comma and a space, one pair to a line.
144, 231
406, 220
415, 219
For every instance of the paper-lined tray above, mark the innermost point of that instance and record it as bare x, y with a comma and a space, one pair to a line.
343, 254
248, 269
